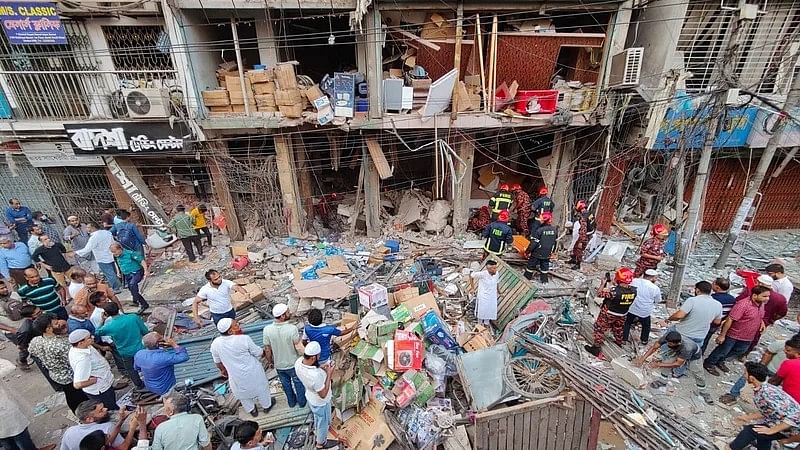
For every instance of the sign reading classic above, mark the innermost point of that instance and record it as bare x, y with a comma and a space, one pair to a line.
126, 138
32, 23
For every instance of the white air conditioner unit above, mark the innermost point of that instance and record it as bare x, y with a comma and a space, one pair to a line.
626, 68
147, 102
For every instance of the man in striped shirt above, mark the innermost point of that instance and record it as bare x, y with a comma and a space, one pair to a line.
44, 293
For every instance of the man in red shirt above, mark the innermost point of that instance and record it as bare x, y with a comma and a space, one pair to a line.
788, 374
744, 322
774, 310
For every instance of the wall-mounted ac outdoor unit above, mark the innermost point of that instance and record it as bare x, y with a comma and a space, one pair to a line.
626, 68
147, 103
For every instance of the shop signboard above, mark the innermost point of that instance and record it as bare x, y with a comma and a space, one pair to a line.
57, 154
687, 120
28, 23
127, 138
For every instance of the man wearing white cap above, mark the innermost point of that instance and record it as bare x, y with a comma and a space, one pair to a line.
775, 309
317, 382
90, 371
648, 295
238, 358
281, 345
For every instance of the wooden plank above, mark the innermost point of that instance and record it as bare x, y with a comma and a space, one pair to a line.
552, 425
586, 425
520, 431
482, 435
457, 56
494, 433
541, 433
580, 424
522, 407
417, 39
378, 158
531, 423
223, 194
594, 429
625, 230
458, 441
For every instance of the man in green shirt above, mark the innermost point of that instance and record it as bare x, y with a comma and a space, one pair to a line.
126, 330
183, 431
133, 269
183, 225
281, 342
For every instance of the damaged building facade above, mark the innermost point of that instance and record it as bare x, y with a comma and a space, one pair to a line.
665, 117
319, 115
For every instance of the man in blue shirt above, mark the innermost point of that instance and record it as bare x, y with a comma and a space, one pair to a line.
719, 293
79, 320
14, 259
128, 234
157, 365
20, 218
322, 333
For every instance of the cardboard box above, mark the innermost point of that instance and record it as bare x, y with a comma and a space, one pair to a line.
288, 97
267, 109
254, 291
232, 83
285, 76
216, 97
368, 430
293, 112
240, 108
264, 88
437, 332
420, 305
220, 109
373, 296
260, 76
380, 333
239, 301
314, 92
237, 98
402, 295
265, 100
238, 248
404, 352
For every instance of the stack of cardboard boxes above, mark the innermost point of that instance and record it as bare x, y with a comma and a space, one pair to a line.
288, 95
263, 82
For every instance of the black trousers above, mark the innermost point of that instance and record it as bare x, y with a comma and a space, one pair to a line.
748, 437
187, 244
204, 231
631, 319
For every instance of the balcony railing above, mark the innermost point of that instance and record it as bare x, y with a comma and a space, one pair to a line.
80, 95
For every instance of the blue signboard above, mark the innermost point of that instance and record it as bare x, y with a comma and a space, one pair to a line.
32, 23
684, 121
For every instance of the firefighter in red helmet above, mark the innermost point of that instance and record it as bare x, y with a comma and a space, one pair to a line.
580, 226
501, 201
542, 204
522, 206
652, 250
543, 242
617, 301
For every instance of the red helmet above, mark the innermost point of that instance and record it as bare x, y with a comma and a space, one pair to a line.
659, 228
623, 275
516, 187
547, 216
504, 187
581, 205
503, 216
543, 190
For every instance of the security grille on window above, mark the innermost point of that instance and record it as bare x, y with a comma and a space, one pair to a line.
139, 48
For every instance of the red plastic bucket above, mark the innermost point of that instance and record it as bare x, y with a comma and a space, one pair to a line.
546, 100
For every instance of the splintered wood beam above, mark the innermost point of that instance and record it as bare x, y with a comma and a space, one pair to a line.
378, 158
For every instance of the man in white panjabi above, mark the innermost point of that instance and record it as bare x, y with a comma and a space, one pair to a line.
487, 293
239, 360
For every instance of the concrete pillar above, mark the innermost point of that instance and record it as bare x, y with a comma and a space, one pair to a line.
267, 51
304, 182
565, 147
466, 151
219, 180
372, 196
292, 209
125, 174
371, 43
182, 61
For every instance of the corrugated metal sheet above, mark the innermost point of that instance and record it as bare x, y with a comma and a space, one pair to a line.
280, 415
200, 367
780, 206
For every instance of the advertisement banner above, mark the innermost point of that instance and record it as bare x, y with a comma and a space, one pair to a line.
32, 23
127, 138
684, 121
57, 154
765, 122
